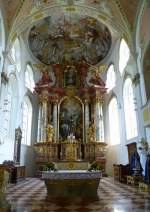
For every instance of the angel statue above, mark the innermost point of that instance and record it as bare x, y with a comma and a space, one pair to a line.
50, 132
91, 133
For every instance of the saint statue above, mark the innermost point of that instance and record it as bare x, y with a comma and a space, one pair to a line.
17, 149
135, 164
91, 133
50, 132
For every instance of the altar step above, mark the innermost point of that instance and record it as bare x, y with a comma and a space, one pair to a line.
72, 165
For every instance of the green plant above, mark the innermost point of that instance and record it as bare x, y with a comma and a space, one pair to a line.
43, 168
95, 167
51, 166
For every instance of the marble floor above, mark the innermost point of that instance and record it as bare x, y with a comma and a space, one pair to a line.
30, 195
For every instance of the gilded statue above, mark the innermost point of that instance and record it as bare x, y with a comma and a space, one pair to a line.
50, 132
91, 133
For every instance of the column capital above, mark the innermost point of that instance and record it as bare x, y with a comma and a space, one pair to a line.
43, 98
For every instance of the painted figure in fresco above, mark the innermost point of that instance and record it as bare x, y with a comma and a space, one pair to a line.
70, 77
64, 130
50, 132
71, 126
135, 164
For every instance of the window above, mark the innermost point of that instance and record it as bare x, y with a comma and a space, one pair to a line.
15, 54
129, 108
111, 79
29, 81
114, 130
124, 55
26, 121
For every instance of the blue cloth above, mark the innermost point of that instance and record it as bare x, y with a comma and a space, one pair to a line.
135, 165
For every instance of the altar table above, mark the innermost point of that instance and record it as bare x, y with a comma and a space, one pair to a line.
70, 183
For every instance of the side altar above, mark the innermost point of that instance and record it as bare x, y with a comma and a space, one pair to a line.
70, 120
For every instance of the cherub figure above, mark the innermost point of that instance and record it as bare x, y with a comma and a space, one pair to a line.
50, 132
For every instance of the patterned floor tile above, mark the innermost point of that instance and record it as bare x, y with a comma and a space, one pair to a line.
30, 195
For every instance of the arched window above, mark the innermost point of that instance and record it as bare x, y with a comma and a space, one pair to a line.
129, 108
26, 121
16, 54
111, 78
29, 81
114, 130
124, 54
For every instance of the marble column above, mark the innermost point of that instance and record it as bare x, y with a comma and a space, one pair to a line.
99, 122
86, 120
55, 121
42, 119
39, 123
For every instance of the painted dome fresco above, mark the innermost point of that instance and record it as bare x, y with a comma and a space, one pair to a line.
69, 38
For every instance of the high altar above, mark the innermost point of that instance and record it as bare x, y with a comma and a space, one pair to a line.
70, 122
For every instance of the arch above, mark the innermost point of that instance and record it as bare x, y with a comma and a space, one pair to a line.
114, 130
124, 55
111, 78
129, 109
29, 80
26, 121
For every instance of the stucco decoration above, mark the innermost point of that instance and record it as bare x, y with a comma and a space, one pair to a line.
69, 37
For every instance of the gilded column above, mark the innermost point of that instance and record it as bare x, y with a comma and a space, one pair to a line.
86, 120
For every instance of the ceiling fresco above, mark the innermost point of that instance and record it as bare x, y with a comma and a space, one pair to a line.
68, 38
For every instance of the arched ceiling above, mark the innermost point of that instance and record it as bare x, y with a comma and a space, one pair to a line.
122, 12
119, 16
128, 7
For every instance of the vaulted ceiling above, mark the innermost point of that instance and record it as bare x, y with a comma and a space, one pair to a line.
122, 12
119, 16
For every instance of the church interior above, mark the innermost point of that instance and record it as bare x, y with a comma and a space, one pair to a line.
74, 105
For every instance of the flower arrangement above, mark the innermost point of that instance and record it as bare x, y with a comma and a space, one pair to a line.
95, 167
50, 166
